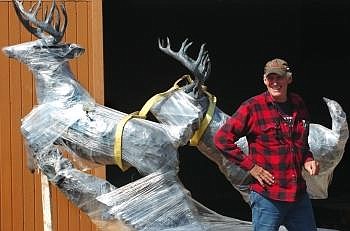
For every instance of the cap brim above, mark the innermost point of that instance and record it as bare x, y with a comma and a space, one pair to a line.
275, 71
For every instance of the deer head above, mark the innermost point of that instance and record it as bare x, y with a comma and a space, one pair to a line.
47, 57
50, 31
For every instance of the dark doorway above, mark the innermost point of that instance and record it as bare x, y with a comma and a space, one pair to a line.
241, 36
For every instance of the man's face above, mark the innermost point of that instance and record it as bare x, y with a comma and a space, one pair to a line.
277, 86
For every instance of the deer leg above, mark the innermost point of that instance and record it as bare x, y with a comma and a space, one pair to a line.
79, 187
146, 204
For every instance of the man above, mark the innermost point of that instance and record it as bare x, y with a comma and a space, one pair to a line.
276, 125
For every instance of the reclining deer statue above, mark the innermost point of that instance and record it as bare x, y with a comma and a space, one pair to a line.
67, 118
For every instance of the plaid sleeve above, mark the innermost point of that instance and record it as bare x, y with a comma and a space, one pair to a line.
307, 154
225, 138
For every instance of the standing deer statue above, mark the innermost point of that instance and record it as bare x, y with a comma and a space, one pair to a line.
68, 118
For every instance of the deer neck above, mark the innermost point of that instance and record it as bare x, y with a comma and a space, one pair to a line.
56, 84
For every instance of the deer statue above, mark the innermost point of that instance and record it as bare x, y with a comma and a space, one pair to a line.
67, 118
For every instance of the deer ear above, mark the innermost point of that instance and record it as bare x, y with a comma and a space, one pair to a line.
72, 51
76, 51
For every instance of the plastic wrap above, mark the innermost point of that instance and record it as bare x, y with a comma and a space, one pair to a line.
327, 146
177, 109
146, 145
67, 115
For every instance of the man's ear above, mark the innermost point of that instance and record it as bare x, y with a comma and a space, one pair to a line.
265, 79
290, 79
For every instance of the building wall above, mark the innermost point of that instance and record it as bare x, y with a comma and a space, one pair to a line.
20, 194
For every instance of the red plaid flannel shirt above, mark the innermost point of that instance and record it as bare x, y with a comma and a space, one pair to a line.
278, 146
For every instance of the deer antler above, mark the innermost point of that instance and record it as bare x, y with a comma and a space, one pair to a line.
200, 67
55, 29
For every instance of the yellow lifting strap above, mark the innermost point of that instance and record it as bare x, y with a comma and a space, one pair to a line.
158, 97
144, 111
118, 139
142, 115
206, 120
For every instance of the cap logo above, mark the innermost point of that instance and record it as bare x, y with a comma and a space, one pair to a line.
277, 66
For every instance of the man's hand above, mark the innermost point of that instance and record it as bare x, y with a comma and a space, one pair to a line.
312, 167
262, 175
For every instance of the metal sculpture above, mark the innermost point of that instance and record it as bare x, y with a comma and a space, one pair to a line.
68, 118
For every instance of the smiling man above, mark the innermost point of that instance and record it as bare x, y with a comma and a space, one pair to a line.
276, 124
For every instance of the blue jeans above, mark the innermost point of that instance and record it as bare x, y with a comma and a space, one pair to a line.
268, 215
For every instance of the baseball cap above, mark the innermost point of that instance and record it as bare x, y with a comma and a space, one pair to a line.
277, 66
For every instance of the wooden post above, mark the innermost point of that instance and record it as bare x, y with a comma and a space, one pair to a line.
46, 202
